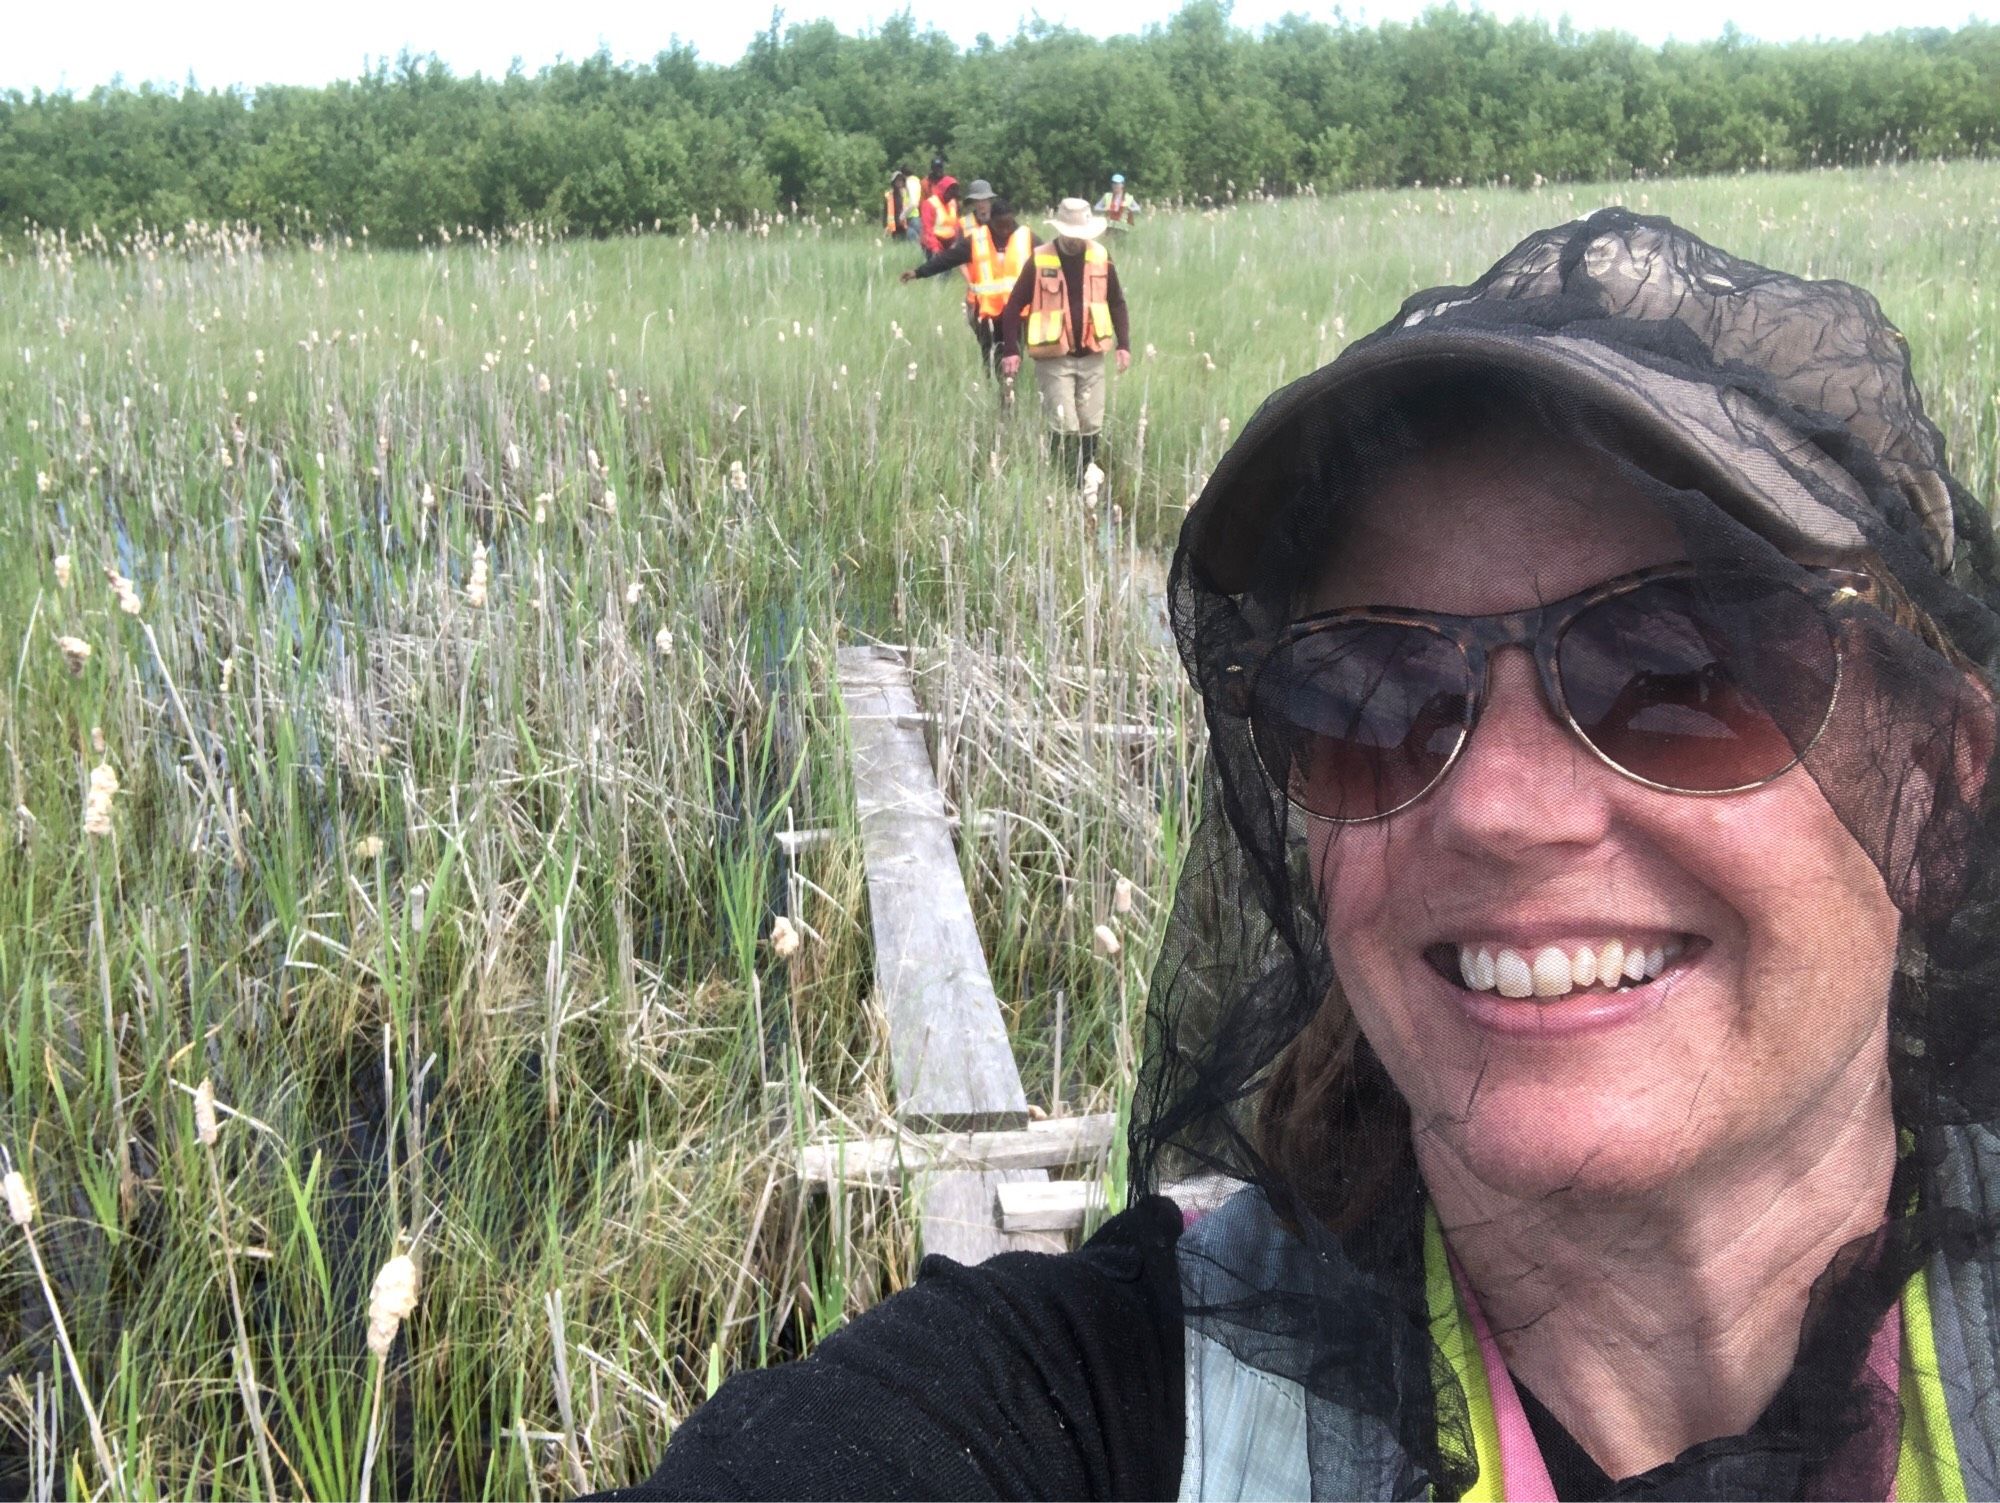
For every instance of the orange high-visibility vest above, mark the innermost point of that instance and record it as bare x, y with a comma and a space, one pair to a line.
990, 275
890, 221
1049, 333
944, 219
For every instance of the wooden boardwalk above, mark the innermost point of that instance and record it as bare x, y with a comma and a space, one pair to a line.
952, 1065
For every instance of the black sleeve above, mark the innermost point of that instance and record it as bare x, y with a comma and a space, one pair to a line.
1114, 295
1032, 1375
1016, 310
955, 252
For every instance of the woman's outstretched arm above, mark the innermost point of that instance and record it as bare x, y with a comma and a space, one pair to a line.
1027, 1376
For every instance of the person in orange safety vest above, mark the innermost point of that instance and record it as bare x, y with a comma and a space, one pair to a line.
991, 252
940, 217
1068, 311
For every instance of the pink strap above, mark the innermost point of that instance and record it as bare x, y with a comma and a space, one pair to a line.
1524, 1475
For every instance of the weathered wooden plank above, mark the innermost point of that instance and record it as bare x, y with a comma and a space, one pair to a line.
1061, 1205
949, 1055
887, 1161
961, 1215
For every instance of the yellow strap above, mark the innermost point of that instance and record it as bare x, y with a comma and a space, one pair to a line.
1927, 1464
1453, 1334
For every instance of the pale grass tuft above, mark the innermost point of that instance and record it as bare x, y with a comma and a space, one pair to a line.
205, 1127
475, 588
20, 1204
1104, 940
784, 938
368, 848
97, 803
1121, 895
390, 1302
125, 590
75, 651
63, 570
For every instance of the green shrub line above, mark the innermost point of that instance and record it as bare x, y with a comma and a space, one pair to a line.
811, 120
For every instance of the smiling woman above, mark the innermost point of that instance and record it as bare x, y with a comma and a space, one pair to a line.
1585, 962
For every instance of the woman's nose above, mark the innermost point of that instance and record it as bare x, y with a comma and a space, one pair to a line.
1524, 780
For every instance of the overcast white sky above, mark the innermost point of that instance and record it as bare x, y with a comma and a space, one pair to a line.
80, 45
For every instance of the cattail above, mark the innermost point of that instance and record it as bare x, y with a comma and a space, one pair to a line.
368, 848
63, 567
738, 481
1121, 895
390, 1302
75, 651
1093, 482
542, 383
20, 1204
125, 590
97, 803
784, 938
205, 1128
228, 672
663, 642
633, 591
1104, 940
475, 588
1222, 426
429, 498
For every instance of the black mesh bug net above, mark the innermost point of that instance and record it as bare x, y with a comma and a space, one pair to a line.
1774, 422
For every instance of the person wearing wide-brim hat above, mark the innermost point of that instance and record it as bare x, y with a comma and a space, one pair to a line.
1068, 311
1119, 207
991, 252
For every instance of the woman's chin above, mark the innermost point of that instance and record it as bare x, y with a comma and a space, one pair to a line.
1588, 1146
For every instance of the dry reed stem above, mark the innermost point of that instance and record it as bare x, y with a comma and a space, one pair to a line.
207, 1132
21, 1209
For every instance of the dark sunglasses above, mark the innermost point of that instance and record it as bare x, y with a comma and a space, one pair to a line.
1706, 681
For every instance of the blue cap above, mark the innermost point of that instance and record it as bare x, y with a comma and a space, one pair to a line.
1117, 177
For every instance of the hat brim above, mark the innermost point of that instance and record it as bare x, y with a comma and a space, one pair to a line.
979, 198
1742, 456
1091, 229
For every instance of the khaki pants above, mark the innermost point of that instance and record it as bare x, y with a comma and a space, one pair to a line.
1072, 388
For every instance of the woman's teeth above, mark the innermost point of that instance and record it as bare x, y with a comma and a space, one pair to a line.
1556, 970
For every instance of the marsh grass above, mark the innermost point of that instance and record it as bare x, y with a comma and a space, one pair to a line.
460, 891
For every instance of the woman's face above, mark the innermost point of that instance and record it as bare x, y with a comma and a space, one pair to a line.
1758, 1038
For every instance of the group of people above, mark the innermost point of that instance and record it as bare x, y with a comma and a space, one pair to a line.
1058, 302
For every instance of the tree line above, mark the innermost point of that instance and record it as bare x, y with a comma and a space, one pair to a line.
811, 120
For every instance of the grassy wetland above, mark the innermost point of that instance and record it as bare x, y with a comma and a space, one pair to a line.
411, 660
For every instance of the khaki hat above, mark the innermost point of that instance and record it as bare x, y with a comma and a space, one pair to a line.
977, 189
1074, 220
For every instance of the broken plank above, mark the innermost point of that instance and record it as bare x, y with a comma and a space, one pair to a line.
962, 1220
1063, 1205
886, 1161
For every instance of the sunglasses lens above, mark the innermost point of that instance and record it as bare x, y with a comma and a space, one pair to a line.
1701, 685
1356, 721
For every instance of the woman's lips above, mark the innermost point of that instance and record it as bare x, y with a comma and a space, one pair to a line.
1538, 990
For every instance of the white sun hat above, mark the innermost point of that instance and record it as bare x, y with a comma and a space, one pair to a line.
1074, 220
